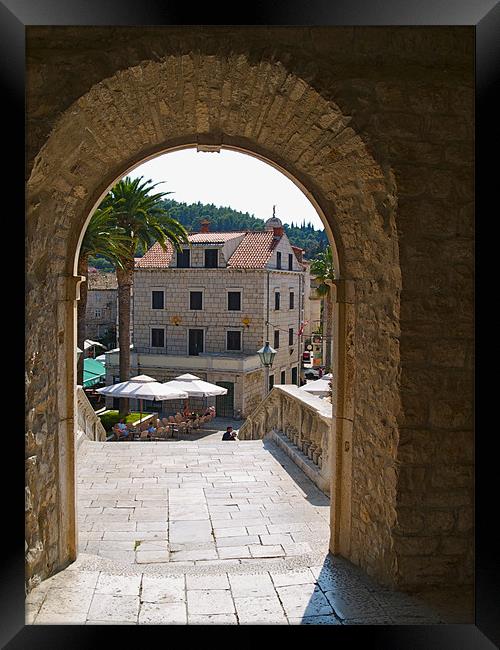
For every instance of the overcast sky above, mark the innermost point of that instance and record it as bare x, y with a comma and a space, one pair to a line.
229, 179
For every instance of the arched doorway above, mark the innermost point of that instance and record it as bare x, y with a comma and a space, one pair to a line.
261, 109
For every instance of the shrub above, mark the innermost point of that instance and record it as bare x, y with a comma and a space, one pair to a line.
110, 418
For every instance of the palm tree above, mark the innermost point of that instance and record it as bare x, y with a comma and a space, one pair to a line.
143, 218
102, 237
322, 268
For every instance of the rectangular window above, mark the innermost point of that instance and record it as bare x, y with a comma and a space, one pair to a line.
292, 300
278, 260
271, 381
276, 339
157, 299
183, 259
283, 377
233, 340
211, 258
234, 300
290, 261
277, 298
97, 313
195, 342
290, 336
294, 375
157, 337
196, 300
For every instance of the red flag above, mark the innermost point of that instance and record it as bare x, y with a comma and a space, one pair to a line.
301, 328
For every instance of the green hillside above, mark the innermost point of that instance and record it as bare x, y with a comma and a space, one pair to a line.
224, 218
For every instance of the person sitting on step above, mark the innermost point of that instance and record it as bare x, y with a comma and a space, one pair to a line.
229, 434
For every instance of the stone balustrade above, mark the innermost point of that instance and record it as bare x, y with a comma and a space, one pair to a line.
299, 423
88, 423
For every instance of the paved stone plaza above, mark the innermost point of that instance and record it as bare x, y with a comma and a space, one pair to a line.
197, 532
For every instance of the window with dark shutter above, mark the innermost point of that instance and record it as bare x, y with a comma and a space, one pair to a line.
278, 260
292, 299
290, 261
157, 299
195, 342
183, 259
234, 340
276, 339
283, 377
294, 375
157, 338
277, 298
195, 300
271, 381
211, 258
234, 300
290, 336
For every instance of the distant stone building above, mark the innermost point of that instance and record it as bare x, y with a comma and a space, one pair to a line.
101, 311
312, 302
209, 309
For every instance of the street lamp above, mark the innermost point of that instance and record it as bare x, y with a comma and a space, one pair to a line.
266, 356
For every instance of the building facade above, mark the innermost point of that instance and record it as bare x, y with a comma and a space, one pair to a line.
101, 311
209, 309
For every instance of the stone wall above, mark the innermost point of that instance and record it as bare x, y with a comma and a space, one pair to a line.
253, 390
282, 320
376, 124
89, 424
298, 422
214, 318
105, 300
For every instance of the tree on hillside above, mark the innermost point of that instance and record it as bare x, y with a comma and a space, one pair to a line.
322, 268
143, 218
103, 238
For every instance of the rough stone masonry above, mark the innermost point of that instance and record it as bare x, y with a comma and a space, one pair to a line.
376, 125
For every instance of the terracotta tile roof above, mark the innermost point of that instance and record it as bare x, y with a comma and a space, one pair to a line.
254, 251
213, 237
156, 257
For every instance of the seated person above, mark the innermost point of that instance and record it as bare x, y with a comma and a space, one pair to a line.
120, 429
151, 428
229, 434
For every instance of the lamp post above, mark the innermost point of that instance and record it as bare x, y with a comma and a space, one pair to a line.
266, 356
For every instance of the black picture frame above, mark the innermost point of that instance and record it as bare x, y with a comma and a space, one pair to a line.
15, 16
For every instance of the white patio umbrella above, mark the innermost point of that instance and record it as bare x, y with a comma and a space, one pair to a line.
196, 387
88, 343
143, 387
318, 387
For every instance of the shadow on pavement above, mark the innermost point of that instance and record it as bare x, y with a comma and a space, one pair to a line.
312, 493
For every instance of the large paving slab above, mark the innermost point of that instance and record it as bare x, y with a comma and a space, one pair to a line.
207, 532
95, 590
197, 501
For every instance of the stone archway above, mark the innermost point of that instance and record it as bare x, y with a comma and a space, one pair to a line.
212, 101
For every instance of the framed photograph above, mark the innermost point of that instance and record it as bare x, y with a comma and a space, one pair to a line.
378, 116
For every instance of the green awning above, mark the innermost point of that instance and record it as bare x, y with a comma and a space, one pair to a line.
93, 372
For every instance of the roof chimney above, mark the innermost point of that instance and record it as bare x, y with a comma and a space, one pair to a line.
278, 232
204, 225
